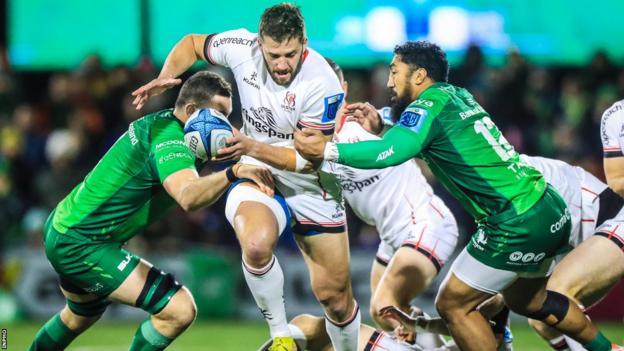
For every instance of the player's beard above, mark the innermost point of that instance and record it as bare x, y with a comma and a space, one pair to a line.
398, 103
293, 73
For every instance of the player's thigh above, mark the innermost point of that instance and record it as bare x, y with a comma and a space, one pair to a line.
408, 274
377, 271
589, 271
327, 258
254, 215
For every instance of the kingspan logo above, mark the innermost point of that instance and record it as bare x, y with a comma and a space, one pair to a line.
263, 121
560, 223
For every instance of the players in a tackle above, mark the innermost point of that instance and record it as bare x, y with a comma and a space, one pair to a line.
137, 181
283, 85
522, 221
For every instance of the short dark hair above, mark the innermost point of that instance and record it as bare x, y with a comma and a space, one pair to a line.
336, 68
427, 55
282, 22
202, 87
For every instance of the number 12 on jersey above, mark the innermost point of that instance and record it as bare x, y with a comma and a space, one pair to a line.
486, 127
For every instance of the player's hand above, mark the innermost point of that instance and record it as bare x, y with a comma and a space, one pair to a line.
155, 87
407, 322
238, 145
259, 175
366, 115
310, 144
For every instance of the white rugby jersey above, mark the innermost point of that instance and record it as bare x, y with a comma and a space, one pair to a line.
391, 199
271, 112
578, 188
612, 130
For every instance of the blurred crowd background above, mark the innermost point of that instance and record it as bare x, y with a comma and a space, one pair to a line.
56, 123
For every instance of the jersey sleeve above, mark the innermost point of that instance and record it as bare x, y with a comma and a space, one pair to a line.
170, 152
322, 104
414, 131
612, 132
229, 48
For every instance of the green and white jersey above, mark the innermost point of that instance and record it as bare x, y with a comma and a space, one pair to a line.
124, 192
447, 128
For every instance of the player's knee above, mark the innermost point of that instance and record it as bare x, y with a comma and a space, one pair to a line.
552, 311
376, 305
334, 300
257, 254
78, 323
181, 311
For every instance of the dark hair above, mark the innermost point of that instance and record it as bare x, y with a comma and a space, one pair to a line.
427, 55
336, 68
202, 87
282, 22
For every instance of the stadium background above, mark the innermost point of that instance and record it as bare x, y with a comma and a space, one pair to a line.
545, 70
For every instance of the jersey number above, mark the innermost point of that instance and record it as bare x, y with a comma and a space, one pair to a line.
503, 149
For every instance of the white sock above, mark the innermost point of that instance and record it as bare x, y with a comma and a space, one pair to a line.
300, 338
267, 287
573, 344
344, 335
559, 343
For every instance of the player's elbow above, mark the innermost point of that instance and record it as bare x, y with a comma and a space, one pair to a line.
188, 200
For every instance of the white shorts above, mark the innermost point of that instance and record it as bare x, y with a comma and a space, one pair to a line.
492, 280
238, 194
612, 228
307, 213
314, 200
435, 236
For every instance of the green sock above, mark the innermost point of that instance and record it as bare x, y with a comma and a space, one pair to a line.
147, 338
54, 335
600, 343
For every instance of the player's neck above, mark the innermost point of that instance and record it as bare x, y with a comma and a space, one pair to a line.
180, 114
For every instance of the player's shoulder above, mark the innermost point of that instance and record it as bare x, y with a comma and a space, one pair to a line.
238, 40
614, 112
316, 72
435, 96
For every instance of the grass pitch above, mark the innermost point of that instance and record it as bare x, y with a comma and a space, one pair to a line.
225, 336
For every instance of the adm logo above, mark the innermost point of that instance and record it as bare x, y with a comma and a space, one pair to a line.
263, 121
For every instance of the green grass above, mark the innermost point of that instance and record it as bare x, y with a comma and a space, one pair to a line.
225, 336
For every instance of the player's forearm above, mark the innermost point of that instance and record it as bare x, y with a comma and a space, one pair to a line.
397, 146
203, 191
284, 158
183, 55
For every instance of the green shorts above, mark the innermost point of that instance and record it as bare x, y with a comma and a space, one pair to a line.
86, 265
520, 243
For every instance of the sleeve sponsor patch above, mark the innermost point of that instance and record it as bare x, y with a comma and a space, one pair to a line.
413, 118
332, 105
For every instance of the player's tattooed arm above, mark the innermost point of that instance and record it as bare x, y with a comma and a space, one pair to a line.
614, 172
285, 158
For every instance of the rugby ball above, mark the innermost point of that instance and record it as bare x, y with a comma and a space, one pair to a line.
206, 131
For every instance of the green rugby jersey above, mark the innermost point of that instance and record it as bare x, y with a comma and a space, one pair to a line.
124, 192
447, 128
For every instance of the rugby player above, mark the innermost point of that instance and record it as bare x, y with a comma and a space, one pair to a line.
138, 180
594, 209
418, 232
283, 85
522, 221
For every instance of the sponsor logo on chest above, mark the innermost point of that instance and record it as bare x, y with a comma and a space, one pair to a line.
262, 120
